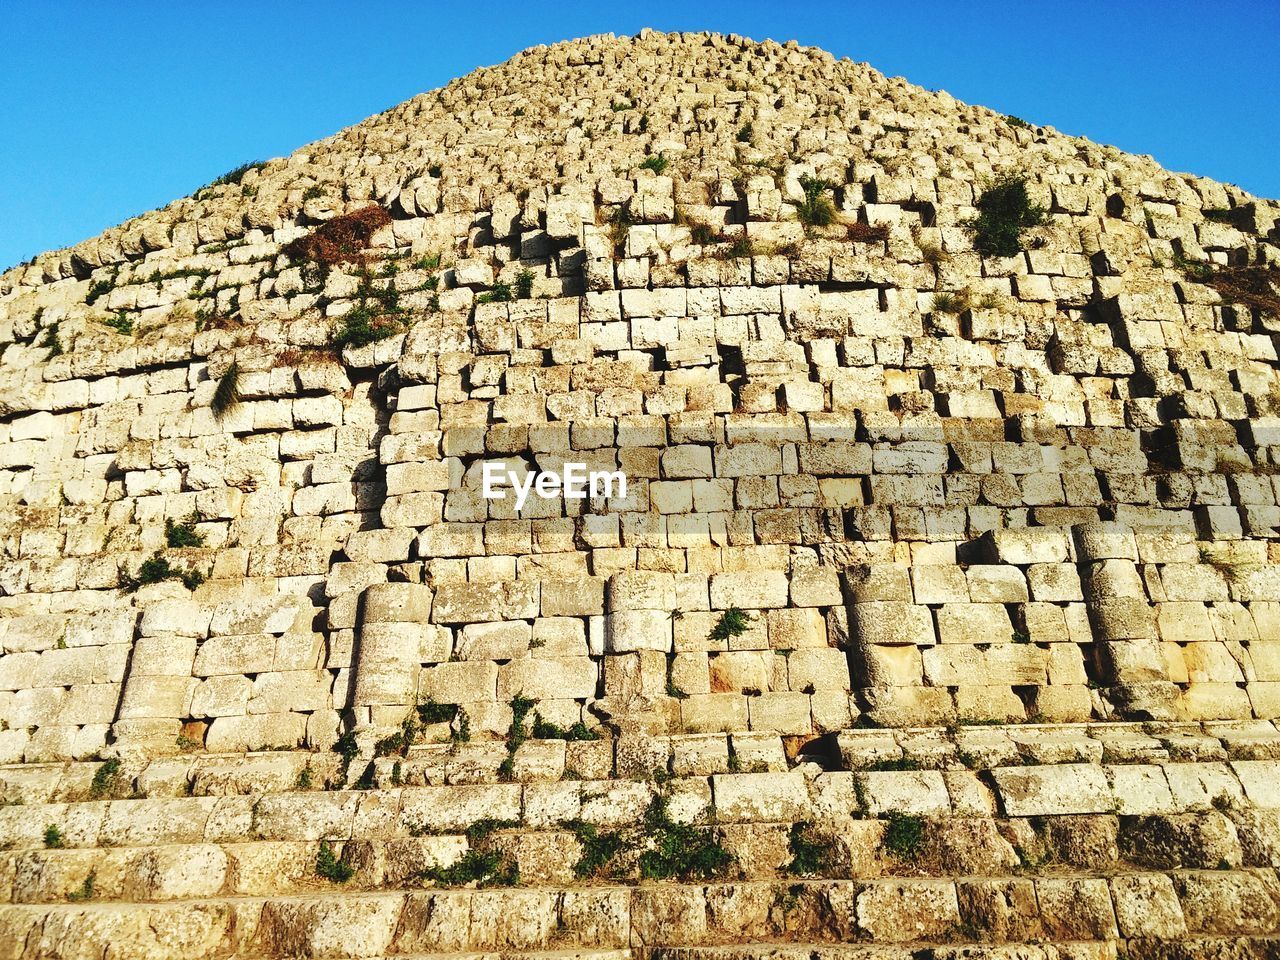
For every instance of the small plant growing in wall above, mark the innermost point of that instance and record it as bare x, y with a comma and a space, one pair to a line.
226, 396
732, 623
1005, 210
340, 240
53, 837
524, 284
499, 293
105, 779
655, 162
183, 534
120, 323
598, 849
904, 835
85, 890
100, 288
156, 569
51, 341
679, 849
810, 854
330, 867
816, 209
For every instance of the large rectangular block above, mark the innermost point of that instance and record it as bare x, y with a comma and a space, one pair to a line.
749, 590
482, 602
1048, 790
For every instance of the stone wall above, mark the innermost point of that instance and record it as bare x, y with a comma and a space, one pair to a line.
941, 487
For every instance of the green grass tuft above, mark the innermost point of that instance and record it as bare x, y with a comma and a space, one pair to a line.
598, 849
655, 162
485, 869
732, 623
330, 867
810, 854
183, 534
105, 778
816, 209
679, 849
904, 835
226, 397
1005, 210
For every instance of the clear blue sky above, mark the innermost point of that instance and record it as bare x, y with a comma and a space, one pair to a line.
111, 109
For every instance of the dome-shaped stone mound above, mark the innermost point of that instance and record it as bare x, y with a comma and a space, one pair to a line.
894, 416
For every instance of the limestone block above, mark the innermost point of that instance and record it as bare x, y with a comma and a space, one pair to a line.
1147, 905
889, 666
1064, 704
741, 671
17, 670
996, 584
937, 583
878, 582
274, 614
263, 731
780, 712
221, 697
282, 691
909, 706
747, 797
460, 682
506, 640
547, 678
749, 590
573, 597
788, 629
989, 703
1105, 540
484, 602
922, 793
156, 697
1184, 622
93, 703
1123, 618
713, 713
974, 623
559, 637
1048, 790
1076, 908
815, 587
1140, 789
220, 656
641, 590
158, 656
899, 911
184, 617
885, 622
396, 603
1028, 545
1232, 903
1054, 582
630, 630
809, 670
387, 659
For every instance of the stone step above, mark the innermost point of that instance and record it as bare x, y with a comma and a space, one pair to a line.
1239, 948
936, 748
803, 794
944, 848
898, 911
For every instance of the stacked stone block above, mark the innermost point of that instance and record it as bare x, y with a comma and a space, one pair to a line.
1052, 498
